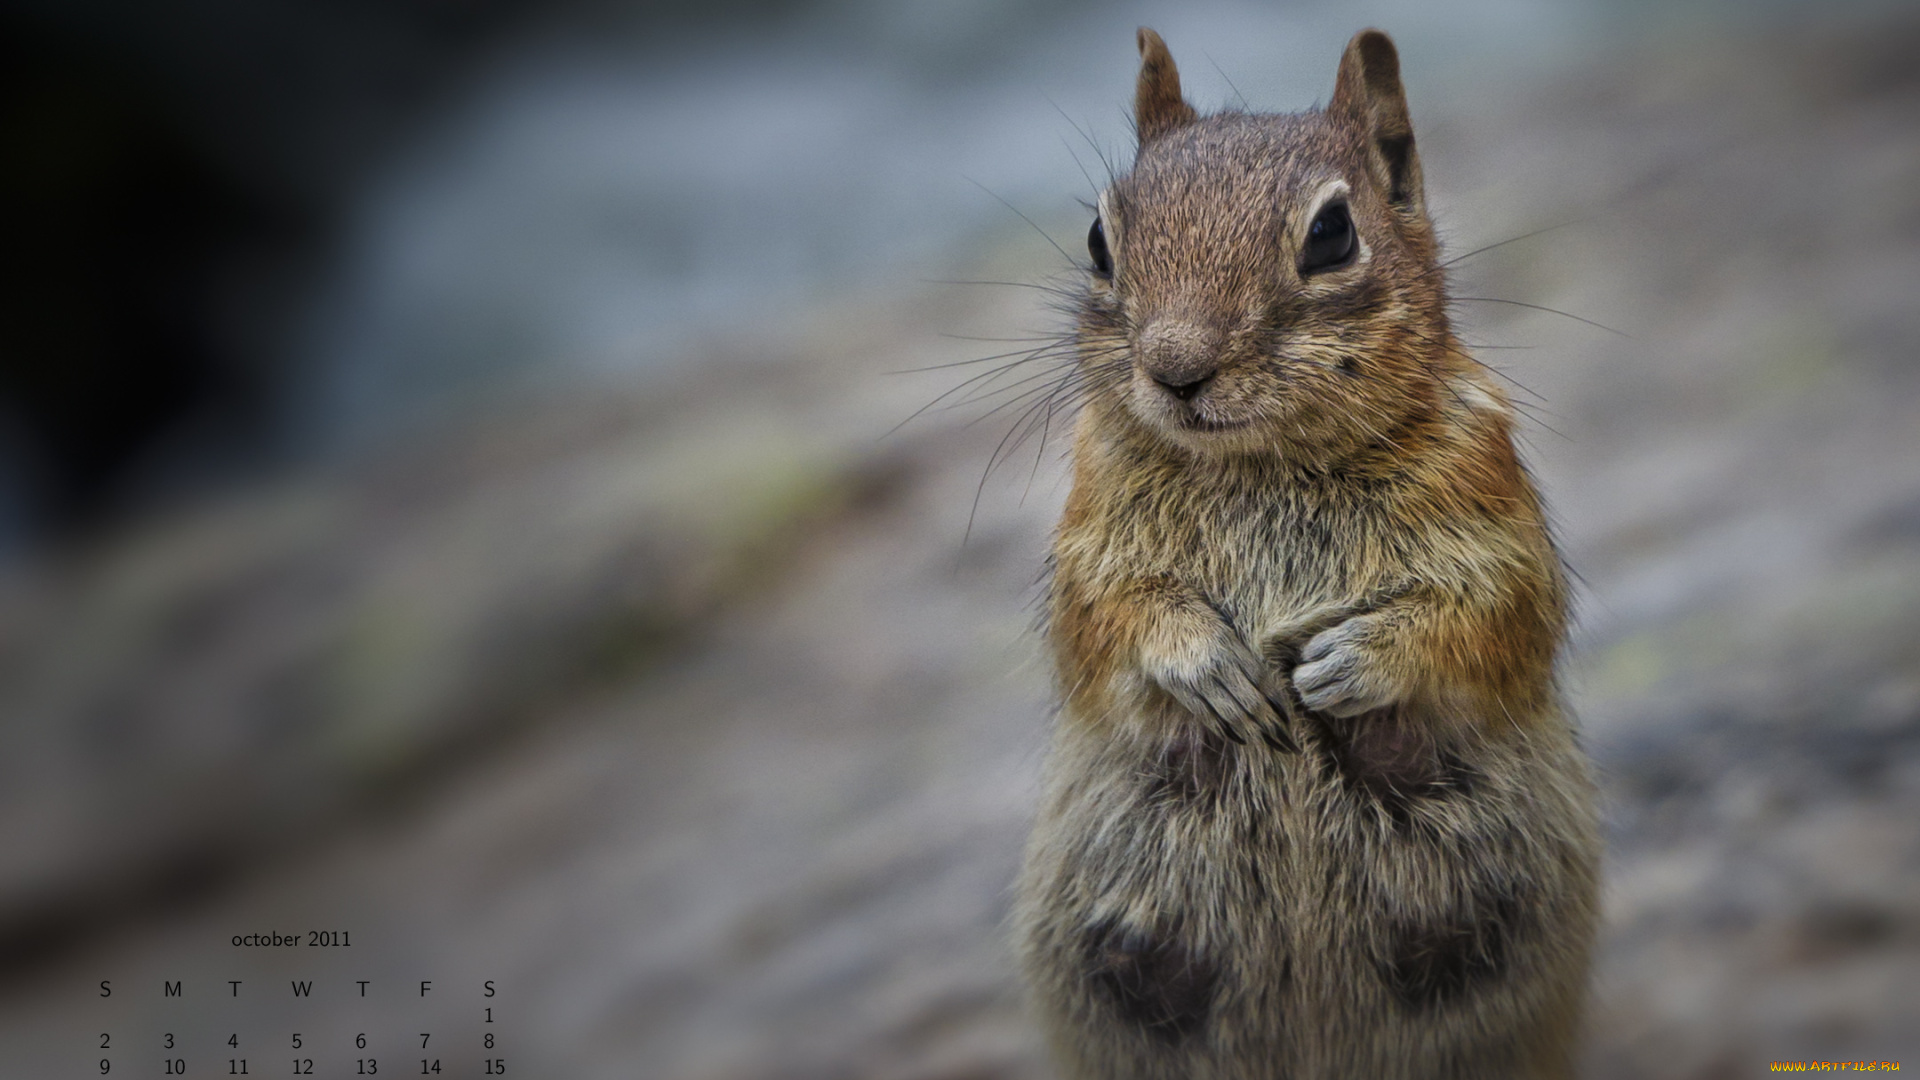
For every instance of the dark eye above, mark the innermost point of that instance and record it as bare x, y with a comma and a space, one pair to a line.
1330, 240
1097, 247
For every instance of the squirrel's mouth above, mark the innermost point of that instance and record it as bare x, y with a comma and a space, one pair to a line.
1196, 417
1197, 422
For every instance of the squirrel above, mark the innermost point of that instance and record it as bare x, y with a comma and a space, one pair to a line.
1312, 807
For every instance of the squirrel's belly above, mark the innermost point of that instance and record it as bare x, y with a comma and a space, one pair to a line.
1199, 908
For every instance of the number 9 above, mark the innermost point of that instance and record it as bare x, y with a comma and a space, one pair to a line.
105, 1066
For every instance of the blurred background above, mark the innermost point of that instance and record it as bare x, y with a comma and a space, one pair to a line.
462, 483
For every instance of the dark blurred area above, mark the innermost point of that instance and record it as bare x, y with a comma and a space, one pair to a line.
173, 174
453, 488
180, 180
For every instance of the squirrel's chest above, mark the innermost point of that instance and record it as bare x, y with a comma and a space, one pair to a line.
1264, 551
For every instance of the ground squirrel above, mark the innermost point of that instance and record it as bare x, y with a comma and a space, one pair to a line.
1312, 808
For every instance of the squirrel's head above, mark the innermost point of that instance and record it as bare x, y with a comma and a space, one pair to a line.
1267, 284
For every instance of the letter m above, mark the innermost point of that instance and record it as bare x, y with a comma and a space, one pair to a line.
173, 988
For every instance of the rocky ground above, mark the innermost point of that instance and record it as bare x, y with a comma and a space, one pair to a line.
706, 721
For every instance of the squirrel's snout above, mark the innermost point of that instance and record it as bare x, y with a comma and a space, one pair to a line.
1182, 357
1185, 391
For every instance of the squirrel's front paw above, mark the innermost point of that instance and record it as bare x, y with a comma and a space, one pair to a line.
1220, 682
1342, 672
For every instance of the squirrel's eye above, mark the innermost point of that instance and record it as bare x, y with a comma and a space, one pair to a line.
1330, 240
1097, 247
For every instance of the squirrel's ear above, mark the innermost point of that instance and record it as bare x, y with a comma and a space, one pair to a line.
1368, 90
1157, 105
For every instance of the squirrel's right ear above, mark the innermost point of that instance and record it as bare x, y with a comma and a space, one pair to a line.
1368, 91
1157, 105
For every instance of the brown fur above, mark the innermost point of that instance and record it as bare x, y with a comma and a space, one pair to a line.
1313, 808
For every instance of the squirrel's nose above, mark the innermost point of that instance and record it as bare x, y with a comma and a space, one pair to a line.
1185, 390
1181, 356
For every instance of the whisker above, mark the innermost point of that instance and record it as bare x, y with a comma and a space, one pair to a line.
1244, 105
1542, 307
1048, 338
988, 376
1022, 217
1516, 239
1039, 352
992, 460
1077, 163
1105, 161
1057, 290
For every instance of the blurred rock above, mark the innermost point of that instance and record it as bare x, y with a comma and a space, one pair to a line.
199, 690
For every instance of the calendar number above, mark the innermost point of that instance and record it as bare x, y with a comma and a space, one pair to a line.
172, 1042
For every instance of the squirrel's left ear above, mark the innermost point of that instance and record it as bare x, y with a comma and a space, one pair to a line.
1368, 90
1157, 104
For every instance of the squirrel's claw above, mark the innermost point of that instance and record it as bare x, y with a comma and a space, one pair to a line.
1209, 702
1227, 728
1277, 733
1226, 686
1228, 702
